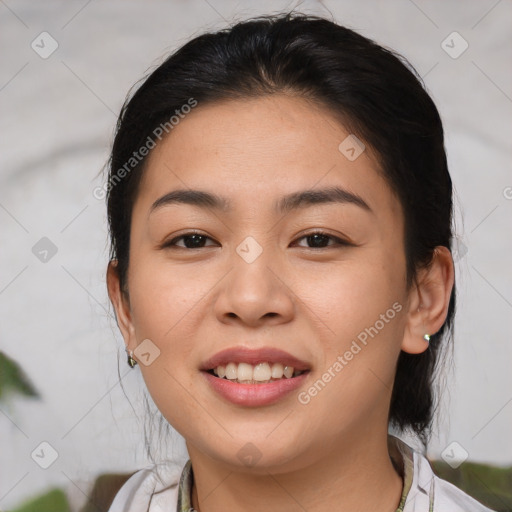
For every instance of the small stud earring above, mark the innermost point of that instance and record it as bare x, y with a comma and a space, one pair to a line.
131, 360
426, 337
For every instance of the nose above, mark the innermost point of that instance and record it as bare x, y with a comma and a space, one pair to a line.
255, 293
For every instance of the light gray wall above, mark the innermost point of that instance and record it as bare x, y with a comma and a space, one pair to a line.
57, 119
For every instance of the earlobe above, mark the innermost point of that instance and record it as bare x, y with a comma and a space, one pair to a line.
121, 305
429, 301
416, 336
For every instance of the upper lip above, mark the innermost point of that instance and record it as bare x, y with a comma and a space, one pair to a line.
253, 357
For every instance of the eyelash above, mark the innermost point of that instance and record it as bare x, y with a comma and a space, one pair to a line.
339, 241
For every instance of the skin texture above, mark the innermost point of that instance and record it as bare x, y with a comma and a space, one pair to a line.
311, 302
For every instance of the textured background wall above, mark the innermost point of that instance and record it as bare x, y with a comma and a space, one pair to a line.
57, 117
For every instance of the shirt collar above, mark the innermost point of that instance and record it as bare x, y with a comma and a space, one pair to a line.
401, 455
185, 489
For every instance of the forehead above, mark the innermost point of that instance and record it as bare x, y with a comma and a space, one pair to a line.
256, 150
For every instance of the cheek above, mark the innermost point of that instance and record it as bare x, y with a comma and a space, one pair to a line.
172, 394
163, 301
163, 296
351, 295
362, 304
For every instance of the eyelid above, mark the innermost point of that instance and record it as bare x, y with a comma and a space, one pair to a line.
171, 242
318, 231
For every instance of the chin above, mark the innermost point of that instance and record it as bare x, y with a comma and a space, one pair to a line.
254, 454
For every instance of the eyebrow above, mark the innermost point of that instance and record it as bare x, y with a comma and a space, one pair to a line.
285, 204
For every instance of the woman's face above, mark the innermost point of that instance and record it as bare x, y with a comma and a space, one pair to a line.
255, 280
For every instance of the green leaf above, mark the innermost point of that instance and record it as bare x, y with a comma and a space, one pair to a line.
53, 501
13, 379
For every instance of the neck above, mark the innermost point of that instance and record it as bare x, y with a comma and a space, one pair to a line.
355, 475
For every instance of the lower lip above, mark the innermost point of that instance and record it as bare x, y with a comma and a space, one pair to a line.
254, 395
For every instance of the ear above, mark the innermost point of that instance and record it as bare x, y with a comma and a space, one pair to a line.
429, 300
121, 303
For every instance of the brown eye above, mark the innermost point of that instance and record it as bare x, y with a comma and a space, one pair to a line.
320, 240
315, 240
191, 240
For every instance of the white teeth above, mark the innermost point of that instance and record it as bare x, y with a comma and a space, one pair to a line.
288, 371
277, 371
262, 372
231, 371
244, 371
259, 373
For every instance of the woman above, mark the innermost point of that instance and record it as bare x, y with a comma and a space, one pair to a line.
280, 212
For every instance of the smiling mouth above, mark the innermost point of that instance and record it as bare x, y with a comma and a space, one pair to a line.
261, 373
